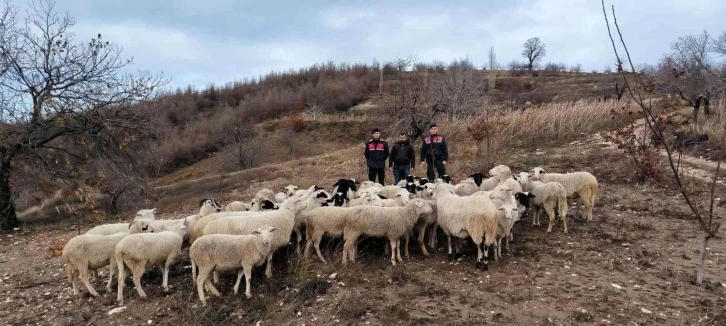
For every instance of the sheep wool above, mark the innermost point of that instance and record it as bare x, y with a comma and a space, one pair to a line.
581, 185
547, 197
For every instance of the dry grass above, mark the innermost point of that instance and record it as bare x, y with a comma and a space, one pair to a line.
714, 124
561, 121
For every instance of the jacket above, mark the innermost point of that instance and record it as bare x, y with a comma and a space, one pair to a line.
376, 153
402, 154
434, 148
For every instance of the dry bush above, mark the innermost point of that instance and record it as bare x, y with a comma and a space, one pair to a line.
559, 122
714, 124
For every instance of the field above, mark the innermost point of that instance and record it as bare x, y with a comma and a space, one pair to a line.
635, 264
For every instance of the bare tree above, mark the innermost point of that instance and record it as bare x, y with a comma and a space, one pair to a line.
577, 68
719, 44
412, 107
492, 59
689, 71
458, 90
635, 87
55, 87
534, 51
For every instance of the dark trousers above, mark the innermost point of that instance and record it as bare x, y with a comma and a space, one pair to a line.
438, 165
377, 172
400, 172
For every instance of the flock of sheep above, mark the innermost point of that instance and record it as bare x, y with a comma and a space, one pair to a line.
246, 235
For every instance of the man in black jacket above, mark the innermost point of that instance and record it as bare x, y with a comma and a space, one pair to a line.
402, 158
376, 154
434, 153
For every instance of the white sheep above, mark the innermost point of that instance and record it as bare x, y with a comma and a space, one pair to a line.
366, 199
389, 191
238, 206
89, 252
221, 252
283, 219
265, 193
547, 197
471, 216
206, 206
389, 222
322, 221
280, 197
581, 185
141, 251
108, 229
312, 201
291, 190
466, 187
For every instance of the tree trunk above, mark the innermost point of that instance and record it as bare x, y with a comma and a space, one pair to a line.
8, 219
696, 106
701, 259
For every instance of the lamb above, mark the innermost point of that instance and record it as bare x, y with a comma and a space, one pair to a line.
366, 199
546, 196
265, 193
400, 199
290, 190
461, 217
283, 219
220, 252
108, 229
389, 222
323, 221
142, 251
389, 191
89, 252
581, 185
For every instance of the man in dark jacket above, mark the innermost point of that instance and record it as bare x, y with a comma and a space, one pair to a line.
434, 153
402, 158
376, 154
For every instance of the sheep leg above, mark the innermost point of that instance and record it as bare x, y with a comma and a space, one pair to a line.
194, 271
497, 249
111, 272
433, 239
308, 244
398, 250
551, 214
563, 214
298, 235
210, 287
71, 272
393, 251
248, 279
216, 277
317, 250
138, 271
481, 262
268, 268
83, 274
451, 254
349, 247
203, 276
165, 283
240, 273
121, 278
421, 236
408, 236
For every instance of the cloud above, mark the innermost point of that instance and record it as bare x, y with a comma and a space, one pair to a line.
224, 40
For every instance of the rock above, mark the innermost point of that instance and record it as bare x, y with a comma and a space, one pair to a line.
645, 311
150, 322
333, 276
616, 286
116, 310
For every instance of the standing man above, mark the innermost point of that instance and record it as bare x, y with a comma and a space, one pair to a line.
402, 158
376, 154
434, 153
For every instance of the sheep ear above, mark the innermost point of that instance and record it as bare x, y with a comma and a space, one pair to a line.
515, 209
501, 208
273, 229
336, 184
382, 197
255, 232
153, 210
491, 196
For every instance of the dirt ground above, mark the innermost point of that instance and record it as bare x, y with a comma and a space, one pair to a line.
634, 265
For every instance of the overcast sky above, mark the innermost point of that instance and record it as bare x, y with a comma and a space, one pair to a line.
199, 42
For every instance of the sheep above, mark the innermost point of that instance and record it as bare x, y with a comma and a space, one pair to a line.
346, 186
142, 251
219, 252
312, 201
461, 217
426, 221
581, 185
400, 199
339, 199
409, 179
265, 193
280, 197
366, 199
500, 172
389, 222
323, 221
290, 190
145, 214
238, 206
206, 206
389, 191
264, 205
283, 219
258, 206
546, 196
89, 252
108, 229
466, 187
